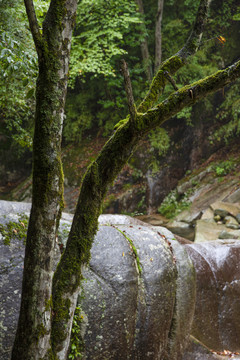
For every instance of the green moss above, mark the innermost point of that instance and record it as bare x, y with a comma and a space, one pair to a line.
134, 250
41, 331
15, 229
48, 305
68, 274
120, 123
159, 81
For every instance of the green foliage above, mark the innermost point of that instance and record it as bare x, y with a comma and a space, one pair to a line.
15, 229
99, 35
76, 344
159, 140
236, 16
18, 72
228, 114
105, 32
173, 204
224, 168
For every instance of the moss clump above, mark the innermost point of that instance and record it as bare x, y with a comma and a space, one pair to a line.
159, 81
41, 331
120, 123
49, 304
15, 229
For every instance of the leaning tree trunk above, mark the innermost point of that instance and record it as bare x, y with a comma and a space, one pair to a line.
53, 46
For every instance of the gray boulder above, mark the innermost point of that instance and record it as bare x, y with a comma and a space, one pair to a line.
216, 320
138, 298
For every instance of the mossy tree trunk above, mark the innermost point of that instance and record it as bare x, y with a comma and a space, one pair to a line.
48, 303
53, 43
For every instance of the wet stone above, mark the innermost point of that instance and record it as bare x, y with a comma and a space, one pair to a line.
226, 235
220, 213
238, 218
137, 300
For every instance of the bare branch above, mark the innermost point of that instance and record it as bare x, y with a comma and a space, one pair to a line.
179, 59
128, 89
171, 80
33, 23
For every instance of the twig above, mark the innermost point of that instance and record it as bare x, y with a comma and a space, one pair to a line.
171, 80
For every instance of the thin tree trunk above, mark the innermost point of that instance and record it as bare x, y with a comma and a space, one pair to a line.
158, 36
144, 46
53, 47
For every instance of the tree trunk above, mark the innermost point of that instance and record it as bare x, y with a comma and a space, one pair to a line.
144, 46
158, 36
53, 47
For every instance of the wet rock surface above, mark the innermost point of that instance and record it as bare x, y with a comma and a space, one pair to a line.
134, 303
216, 320
140, 315
219, 221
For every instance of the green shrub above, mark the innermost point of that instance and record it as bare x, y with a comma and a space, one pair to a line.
224, 168
173, 204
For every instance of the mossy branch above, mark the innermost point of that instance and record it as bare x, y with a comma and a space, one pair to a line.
194, 40
187, 96
175, 62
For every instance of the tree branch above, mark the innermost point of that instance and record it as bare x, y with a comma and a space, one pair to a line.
175, 62
128, 89
195, 37
171, 80
187, 96
33, 23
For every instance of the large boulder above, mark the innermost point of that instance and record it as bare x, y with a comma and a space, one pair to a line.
217, 313
137, 301
138, 296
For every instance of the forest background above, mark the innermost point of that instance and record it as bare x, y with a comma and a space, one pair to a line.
106, 32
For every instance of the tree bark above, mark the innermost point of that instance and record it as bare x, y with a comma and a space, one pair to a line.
158, 36
53, 47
